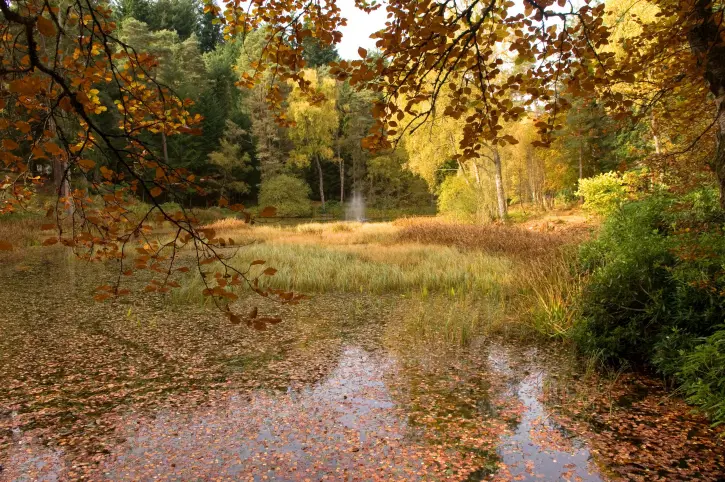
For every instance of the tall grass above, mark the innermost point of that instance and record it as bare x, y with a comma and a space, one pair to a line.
549, 289
451, 321
381, 269
491, 238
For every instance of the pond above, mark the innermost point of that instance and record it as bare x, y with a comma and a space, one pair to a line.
142, 389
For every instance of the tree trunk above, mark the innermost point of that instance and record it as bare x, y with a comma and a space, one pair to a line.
322, 187
709, 47
581, 158
653, 127
342, 180
163, 144
500, 194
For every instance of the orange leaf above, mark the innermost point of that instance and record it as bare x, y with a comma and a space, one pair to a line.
101, 296
52, 148
362, 52
10, 144
269, 271
46, 27
86, 164
5, 246
268, 212
257, 261
50, 241
156, 191
22, 126
46, 227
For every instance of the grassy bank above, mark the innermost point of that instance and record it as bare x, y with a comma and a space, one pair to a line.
458, 280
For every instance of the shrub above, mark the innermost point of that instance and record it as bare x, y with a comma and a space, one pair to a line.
604, 193
290, 195
703, 376
655, 290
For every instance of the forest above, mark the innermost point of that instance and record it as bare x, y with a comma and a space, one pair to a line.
487, 246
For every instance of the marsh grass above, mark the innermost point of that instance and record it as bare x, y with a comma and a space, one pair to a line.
498, 239
462, 279
447, 321
409, 269
548, 290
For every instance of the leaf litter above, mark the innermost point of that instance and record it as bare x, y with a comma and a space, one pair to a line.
139, 389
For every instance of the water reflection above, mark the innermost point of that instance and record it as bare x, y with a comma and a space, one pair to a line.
539, 448
341, 427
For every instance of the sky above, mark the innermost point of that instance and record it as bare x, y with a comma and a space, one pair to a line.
359, 27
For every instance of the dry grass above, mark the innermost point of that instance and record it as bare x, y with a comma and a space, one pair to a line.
495, 239
23, 230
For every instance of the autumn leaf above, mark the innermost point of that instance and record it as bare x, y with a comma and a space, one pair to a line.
46, 27
10, 144
269, 271
256, 262
362, 52
86, 164
156, 191
268, 212
5, 246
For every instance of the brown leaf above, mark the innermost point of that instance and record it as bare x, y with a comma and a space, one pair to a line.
5, 246
268, 212
270, 271
46, 27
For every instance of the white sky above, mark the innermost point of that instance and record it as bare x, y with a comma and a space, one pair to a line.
359, 27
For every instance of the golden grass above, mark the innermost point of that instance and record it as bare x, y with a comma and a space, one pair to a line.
498, 239
466, 278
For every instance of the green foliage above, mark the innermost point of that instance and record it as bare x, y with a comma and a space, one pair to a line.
656, 287
290, 195
393, 186
703, 376
231, 161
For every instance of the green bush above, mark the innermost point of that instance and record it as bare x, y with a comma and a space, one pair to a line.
604, 193
655, 286
703, 376
290, 195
